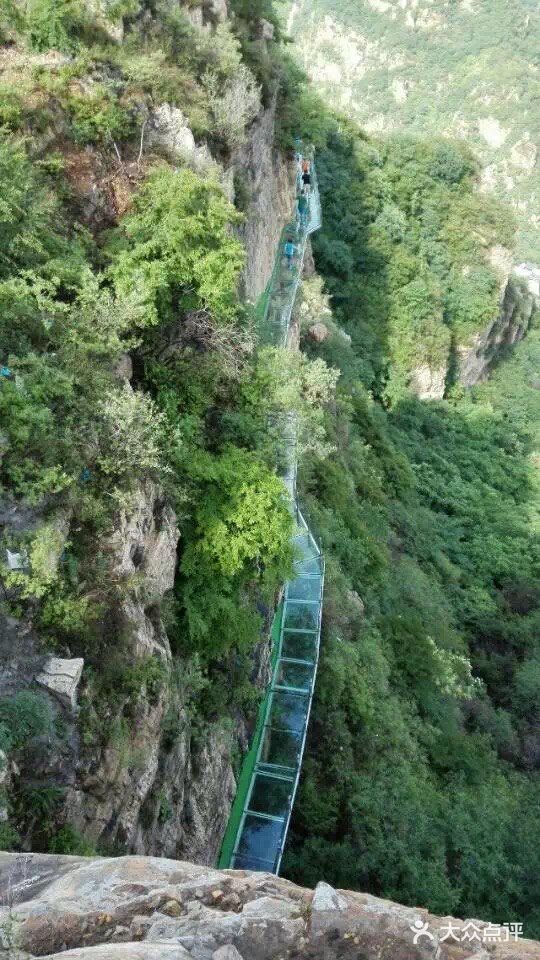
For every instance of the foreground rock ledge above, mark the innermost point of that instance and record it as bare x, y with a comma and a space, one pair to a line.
145, 908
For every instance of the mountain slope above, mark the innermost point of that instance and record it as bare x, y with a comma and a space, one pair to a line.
468, 69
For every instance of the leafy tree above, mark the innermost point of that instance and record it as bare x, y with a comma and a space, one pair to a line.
176, 249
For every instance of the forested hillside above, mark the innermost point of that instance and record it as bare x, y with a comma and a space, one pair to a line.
466, 70
420, 782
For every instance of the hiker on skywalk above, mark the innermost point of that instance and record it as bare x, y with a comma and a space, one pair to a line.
290, 250
306, 180
302, 209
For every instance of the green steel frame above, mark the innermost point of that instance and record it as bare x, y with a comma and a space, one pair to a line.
259, 821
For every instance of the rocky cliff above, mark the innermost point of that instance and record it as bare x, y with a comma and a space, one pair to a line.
268, 179
473, 360
519, 301
138, 908
122, 762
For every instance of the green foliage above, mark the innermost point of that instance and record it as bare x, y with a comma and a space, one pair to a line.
243, 517
97, 117
23, 715
132, 432
241, 536
176, 249
145, 679
69, 842
459, 68
407, 278
420, 779
51, 24
9, 838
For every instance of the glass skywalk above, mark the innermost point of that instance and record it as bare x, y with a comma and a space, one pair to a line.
257, 830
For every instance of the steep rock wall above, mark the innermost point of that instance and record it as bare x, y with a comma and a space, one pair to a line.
135, 773
519, 301
136, 908
141, 776
267, 179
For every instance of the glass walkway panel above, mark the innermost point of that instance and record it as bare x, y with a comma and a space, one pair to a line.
257, 829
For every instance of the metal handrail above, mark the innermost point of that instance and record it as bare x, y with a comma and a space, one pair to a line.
281, 298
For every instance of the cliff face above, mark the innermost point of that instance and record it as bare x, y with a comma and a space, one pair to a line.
520, 300
133, 770
268, 179
138, 908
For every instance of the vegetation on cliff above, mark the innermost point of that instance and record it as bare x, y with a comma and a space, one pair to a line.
419, 782
405, 250
151, 270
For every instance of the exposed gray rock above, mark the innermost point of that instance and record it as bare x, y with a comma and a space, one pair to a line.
318, 332
269, 181
168, 128
144, 542
266, 30
126, 951
5, 777
428, 383
531, 275
72, 908
326, 898
227, 952
217, 10
124, 367
518, 306
309, 262
61, 678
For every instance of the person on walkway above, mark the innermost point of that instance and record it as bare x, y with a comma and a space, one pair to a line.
303, 209
306, 166
289, 253
306, 180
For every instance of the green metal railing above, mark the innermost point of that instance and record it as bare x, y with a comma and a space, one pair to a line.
259, 821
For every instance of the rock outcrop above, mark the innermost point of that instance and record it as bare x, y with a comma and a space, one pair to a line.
137, 908
61, 677
520, 297
428, 383
132, 772
519, 301
148, 791
168, 129
267, 180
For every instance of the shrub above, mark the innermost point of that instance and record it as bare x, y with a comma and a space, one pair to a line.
131, 434
234, 104
177, 250
70, 842
9, 840
53, 24
23, 715
242, 519
97, 117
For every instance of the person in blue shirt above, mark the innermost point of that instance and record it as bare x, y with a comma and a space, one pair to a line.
302, 208
289, 253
